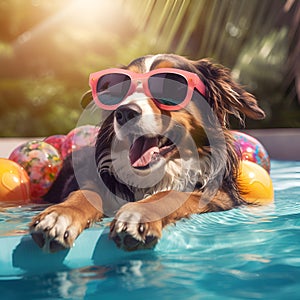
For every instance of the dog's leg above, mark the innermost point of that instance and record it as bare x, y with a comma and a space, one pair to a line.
58, 226
138, 225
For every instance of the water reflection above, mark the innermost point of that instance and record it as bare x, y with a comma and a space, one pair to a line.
243, 253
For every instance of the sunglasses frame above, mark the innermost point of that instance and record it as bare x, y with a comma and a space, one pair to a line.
192, 79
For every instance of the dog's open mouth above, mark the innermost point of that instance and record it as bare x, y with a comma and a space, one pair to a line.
146, 151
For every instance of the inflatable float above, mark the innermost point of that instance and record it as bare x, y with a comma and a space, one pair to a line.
20, 255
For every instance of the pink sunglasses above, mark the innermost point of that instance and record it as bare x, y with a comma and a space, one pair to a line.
169, 88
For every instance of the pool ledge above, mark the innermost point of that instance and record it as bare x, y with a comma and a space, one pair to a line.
281, 143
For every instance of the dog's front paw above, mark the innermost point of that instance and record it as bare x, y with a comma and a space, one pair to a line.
132, 229
55, 228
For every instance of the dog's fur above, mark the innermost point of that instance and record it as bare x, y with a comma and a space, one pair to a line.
101, 181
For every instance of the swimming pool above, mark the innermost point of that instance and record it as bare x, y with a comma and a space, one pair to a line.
245, 253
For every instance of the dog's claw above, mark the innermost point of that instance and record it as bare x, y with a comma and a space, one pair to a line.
36, 223
124, 228
66, 235
141, 229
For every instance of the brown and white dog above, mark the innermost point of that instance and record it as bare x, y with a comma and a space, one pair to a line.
155, 161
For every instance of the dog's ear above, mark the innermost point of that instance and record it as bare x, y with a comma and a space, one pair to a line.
225, 95
86, 99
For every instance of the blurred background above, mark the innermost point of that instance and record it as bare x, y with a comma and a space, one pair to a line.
48, 48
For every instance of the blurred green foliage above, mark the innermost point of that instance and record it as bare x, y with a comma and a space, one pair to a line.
48, 48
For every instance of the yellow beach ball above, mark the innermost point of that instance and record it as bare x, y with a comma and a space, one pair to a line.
255, 184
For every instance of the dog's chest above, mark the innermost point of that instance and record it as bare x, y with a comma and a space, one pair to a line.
179, 175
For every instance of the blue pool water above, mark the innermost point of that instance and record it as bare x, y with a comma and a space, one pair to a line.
245, 253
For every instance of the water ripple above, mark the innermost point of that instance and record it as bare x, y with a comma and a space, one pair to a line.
285, 175
244, 253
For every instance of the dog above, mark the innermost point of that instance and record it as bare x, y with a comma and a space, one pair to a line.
164, 152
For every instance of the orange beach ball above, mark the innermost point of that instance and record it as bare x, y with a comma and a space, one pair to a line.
14, 182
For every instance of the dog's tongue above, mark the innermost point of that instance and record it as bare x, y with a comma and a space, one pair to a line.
142, 150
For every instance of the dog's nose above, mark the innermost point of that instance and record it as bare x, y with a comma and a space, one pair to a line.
125, 113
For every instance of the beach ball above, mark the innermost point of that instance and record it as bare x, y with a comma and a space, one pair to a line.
79, 137
254, 183
251, 149
42, 163
56, 141
14, 182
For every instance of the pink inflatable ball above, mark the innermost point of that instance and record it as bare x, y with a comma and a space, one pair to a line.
79, 137
42, 163
252, 150
56, 141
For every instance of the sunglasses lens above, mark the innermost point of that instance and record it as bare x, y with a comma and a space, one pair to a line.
112, 88
168, 88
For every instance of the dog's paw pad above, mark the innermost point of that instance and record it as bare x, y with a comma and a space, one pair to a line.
53, 231
130, 234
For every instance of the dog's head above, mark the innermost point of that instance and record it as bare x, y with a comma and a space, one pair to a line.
166, 123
